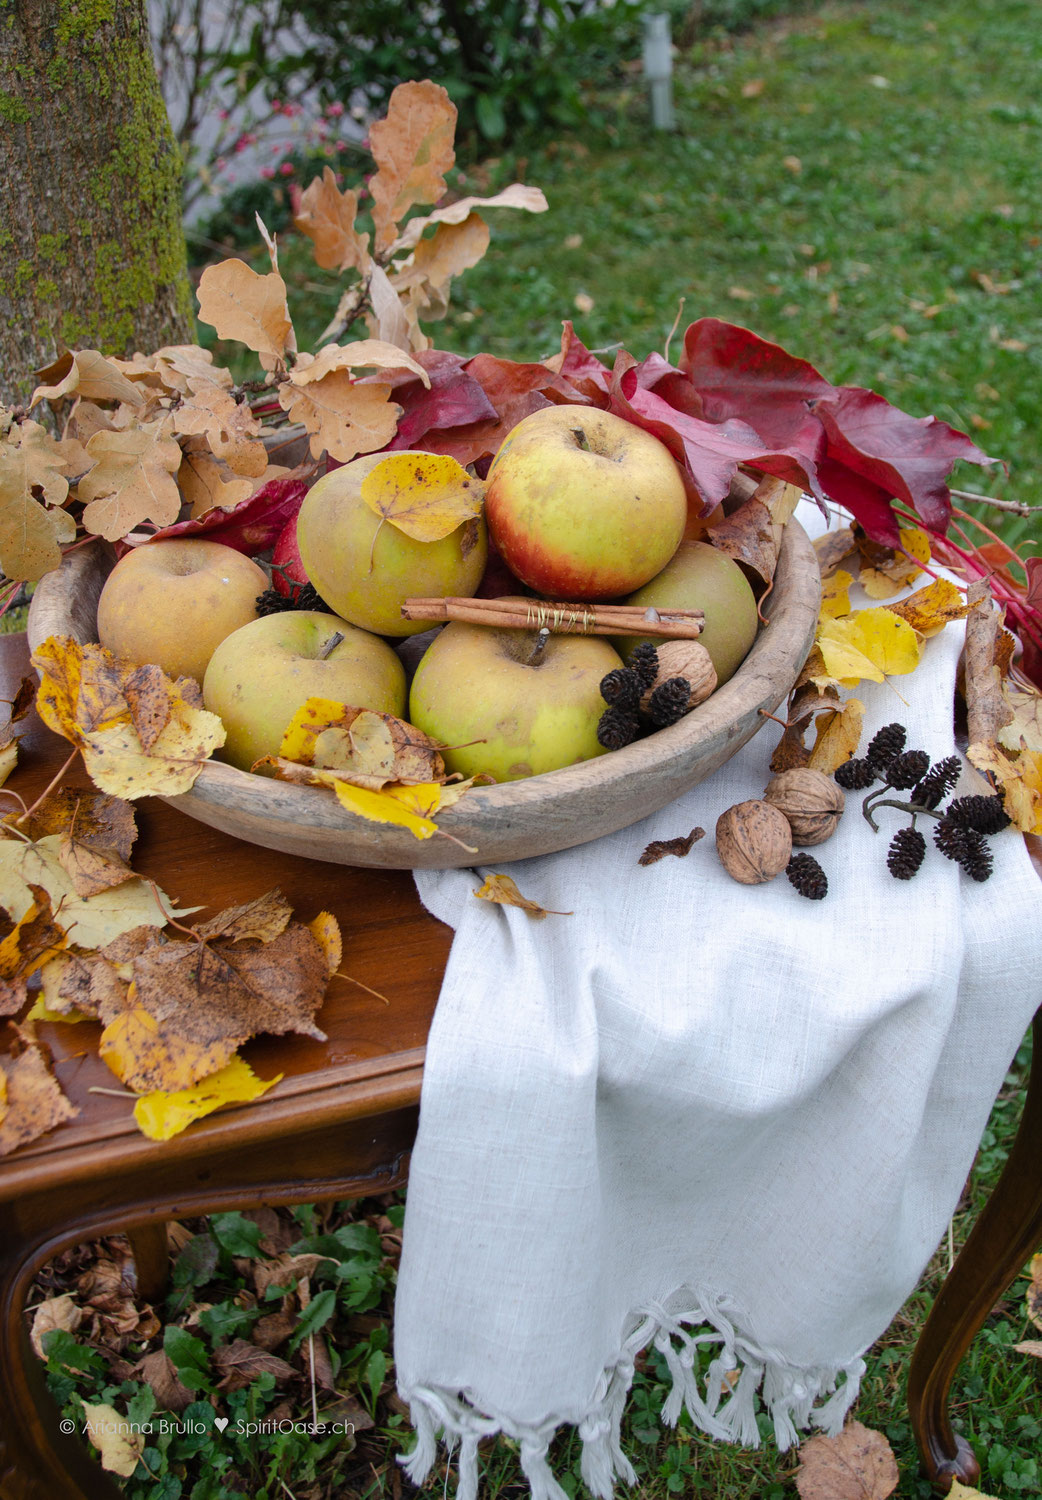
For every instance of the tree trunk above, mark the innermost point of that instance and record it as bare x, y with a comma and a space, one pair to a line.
92, 252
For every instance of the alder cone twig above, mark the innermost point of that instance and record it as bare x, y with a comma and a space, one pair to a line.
754, 841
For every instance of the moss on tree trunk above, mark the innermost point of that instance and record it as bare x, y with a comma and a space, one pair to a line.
92, 251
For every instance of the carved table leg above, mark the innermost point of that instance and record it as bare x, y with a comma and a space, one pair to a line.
148, 1245
1007, 1233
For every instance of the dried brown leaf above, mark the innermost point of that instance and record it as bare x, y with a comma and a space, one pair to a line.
88, 374
239, 1363
748, 536
54, 1312
517, 195
132, 479
837, 735
23, 700
503, 891
159, 1372
228, 425
32, 529
1033, 1296
343, 418
858, 1464
659, 848
284, 1270
35, 938
34, 1100
412, 147
206, 483
327, 216
451, 250
247, 307
363, 354
833, 547
263, 919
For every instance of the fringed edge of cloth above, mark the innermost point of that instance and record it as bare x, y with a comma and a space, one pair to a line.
740, 1376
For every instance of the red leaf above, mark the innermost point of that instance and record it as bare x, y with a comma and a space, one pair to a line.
455, 399
580, 368
1033, 568
254, 524
738, 374
907, 457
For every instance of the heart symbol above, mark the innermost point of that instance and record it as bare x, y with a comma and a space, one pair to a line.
220, 1423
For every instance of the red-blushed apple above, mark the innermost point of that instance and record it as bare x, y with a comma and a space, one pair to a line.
535, 710
259, 676
700, 576
584, 505
288, 573
173, 602
365, 568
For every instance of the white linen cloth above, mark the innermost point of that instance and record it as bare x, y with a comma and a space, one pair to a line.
697, 1112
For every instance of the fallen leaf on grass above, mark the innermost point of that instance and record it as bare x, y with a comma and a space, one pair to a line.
1030, 1346
858, 1464
239, 1363
284, 1271
161, 1115
502, 890
659, 848
159, 1372
119, 1447
961, 1491
34, 1102
54, 1312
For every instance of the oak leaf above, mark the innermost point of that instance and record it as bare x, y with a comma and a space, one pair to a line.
503, 891
250, 308
869, 643
32, 530
412, 148
327, 216
343, 417
517, 195
33, 1099
87, 374
392, 320
179, 364
363, 354
425, 495
451, 250
229, 427
132, 479
161, 1115
858, 1464
206, 484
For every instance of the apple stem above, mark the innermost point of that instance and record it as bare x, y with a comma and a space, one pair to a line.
582, 441
331, 645
541, 642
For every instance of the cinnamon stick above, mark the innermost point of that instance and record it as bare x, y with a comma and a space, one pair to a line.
561, 619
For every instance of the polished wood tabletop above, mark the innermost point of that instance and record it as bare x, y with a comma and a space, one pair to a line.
372, 1060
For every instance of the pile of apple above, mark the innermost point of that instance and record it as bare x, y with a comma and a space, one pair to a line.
581, 506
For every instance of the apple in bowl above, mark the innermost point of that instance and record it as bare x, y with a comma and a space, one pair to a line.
700, 576
532, 702
584, 505
262, 673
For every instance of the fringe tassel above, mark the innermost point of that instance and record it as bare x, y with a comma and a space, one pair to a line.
727, 1410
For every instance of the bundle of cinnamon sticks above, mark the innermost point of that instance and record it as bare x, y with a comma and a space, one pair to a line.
561, 619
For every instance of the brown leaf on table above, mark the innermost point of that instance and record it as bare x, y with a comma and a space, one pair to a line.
32, 530
502, 890
425, 495
23, 700
806, 701
90, 869
132, 479
87, 374
239, 1363
343, 417
327, 216
247, 307
858, 1464
659, 848
34, 939
263, 919
34, 1100
100, 821
54, 1312
833, 547
158, 1371
885, 571
8, 758
14, 993
412, 148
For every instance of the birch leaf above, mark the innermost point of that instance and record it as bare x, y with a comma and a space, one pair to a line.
380, 807
35, 1103
361, 745
412, 148
835, 594
503, 891
87, 374
132, 479
870, 643
930, 609
325, 929
35, 938
247, 307
120, 1449
960, 1491
161, 1115
892, 571
327, 216
343, 418
426, 496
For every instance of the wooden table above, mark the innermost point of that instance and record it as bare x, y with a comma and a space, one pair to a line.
339, 1125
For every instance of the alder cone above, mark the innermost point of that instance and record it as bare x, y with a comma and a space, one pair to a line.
810, 800
754, 841
685, 659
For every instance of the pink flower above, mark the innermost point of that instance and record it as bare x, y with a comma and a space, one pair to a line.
276, 107
335, 110
267, 173
341, 145
286, 169
222, 114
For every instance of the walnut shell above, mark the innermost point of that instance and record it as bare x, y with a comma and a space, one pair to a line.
754, 841
811, 801
685, 659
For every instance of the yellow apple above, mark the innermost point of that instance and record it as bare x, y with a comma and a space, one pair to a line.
534, 711
583, 505
173, 602
367, 583
700, 576
261, 674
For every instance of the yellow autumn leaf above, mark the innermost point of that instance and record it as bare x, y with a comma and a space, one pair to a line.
835, 594
502, 890
837, 735
145, 1058
960, 1491
160, 1115
359, 744
425, 495
118, 1444
889, 578
1025, 727
8, 759
245, 306
423, 798
40, 1011
870, 643
1019, 779
325, 929
381, 807
930, 609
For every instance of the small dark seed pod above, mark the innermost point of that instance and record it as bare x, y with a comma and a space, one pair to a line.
938, 782
807, 876
951, 839
854, 775
669, 702
644, 663
906, 769
621, 688
906, 853
977, 861
617, 728
884, 745
985, 814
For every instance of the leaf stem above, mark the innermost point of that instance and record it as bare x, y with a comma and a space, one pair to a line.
49, 788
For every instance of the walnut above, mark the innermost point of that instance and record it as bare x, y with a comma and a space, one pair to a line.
754, 841
685, 659
811, 801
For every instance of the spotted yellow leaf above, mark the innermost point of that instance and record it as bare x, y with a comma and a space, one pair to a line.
426, 495
930, 609
889, 578
835, 594
870, 643
160, 1115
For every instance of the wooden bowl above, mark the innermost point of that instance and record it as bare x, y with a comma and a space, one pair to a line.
514, 820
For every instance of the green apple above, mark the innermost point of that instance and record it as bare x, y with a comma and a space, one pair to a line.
368, 582
534, 710
173, 602
261, 674
584, 505
700, 576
